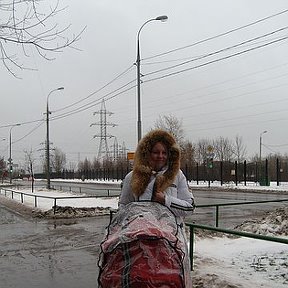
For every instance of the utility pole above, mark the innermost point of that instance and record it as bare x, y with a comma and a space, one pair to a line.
103, 146
115, 149
10, 152
48, 172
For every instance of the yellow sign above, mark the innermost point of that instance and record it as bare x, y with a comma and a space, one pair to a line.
130, 155
210, 148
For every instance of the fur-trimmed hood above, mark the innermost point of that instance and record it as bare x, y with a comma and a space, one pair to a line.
141, 169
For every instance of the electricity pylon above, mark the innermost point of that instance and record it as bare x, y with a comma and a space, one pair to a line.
103, 151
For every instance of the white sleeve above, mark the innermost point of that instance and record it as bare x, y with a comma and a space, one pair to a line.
126, 195
183, 204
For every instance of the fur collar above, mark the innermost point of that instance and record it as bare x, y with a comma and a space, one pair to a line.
142, 171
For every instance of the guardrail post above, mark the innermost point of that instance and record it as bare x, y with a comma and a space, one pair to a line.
277, 172
197, 173
54, 206
191, 246
12, 195
217, 215
21, 198
108, 192
236, 172
35, 201
221, 173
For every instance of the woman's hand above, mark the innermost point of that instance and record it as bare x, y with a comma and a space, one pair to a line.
159, 196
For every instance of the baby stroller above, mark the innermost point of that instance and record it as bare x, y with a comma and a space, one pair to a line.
144, 247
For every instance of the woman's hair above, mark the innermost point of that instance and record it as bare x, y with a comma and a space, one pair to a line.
141, 168
147, 143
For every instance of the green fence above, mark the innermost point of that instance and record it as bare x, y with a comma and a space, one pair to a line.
217, 206
192, 227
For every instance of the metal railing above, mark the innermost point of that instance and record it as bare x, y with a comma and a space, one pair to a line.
86, 190
55, 199
192, 227
217, 206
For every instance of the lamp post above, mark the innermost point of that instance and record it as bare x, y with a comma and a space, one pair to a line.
10, 152
47, 138
139, 124
260, 156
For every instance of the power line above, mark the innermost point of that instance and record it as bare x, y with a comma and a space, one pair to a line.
195, 58
64, 115
227, 81
97, 91
219, 35
239, 124
22, 123
237, 108
242, 117
238, 95
267, 147
214, 61
92, 104
278, 145
219, 51
30, 132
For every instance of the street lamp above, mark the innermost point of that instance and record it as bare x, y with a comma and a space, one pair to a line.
261, 144
139, 125
10, 152
47, 138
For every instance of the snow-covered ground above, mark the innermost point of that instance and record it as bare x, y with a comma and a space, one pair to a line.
219, 261
245, 262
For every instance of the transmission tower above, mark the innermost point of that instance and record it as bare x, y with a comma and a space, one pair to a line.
103, 151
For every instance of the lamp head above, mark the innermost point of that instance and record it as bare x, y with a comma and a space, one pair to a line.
162, 18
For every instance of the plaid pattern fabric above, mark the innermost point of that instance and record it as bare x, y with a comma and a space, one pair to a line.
143, 248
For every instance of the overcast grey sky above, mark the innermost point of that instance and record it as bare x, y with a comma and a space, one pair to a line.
232, 84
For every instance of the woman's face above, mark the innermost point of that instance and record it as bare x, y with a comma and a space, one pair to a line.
158, 156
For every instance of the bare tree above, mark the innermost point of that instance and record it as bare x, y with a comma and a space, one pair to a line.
223, 149
29, 160
173, 125
2, 168
96, 164
201, 150
188, 154
72, 166
84, 165
239, 149
28, 23
58, 160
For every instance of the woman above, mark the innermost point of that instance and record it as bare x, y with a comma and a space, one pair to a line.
156, 175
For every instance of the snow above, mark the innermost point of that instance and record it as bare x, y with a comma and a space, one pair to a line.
219, 261
243, 262
70, 199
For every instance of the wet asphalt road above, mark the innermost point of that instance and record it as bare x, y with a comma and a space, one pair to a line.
56, 254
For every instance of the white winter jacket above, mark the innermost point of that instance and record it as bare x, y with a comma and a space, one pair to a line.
177, 196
